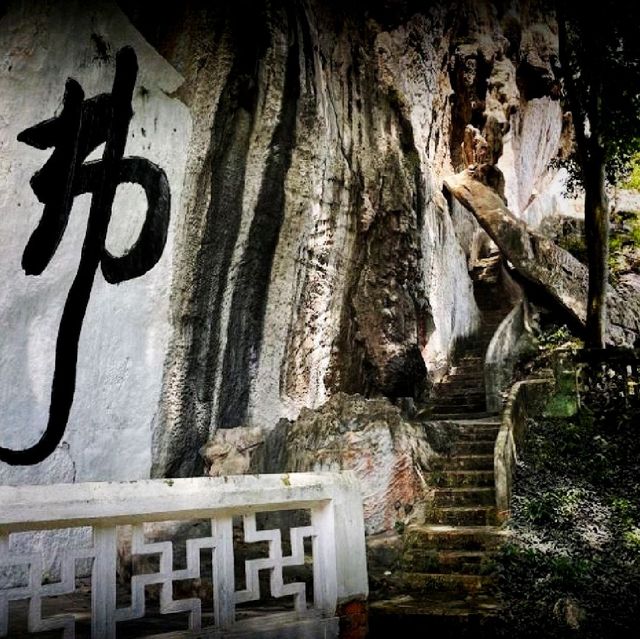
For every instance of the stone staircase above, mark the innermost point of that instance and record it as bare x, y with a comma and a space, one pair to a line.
462, 392
445, 581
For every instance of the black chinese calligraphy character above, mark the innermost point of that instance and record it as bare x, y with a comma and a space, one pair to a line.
81, 127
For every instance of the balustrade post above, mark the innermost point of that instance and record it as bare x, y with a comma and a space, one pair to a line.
103, 583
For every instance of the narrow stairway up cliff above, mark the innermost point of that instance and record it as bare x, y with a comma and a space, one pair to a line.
447, 584
447, 581
462, 390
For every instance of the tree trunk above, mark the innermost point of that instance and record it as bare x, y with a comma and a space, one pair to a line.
596, 215
587, 107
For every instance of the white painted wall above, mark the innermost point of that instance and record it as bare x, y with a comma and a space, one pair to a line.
126, 329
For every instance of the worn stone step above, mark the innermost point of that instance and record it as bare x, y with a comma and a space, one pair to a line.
490, 420
470, 424
455, 417
475, 447
420, 582
443, 615
467, 462
477, 345
442, 398
478, 434
463, 516
462, 478
463, 409
454, 380
466, 496
462, 562
471, 373
438, 536
459, 389
458, 383
458, 399
442, 406
459, 392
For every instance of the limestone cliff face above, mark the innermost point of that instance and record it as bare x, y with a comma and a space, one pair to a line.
315, 251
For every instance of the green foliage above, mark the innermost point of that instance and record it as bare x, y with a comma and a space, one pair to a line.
601, 58
576, 246
399, 526
633, 177
624, 244
632, 539
554, 337
550, 340
575, 530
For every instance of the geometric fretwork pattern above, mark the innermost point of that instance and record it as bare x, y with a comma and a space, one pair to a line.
165, 577
102, 556
275, 562
35, 590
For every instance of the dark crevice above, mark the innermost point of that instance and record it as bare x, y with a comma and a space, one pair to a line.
232, 127
249, 303
469, 77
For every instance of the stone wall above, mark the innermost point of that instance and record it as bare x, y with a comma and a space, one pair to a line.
126, 329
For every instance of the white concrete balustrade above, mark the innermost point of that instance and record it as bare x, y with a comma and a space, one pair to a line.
336, 535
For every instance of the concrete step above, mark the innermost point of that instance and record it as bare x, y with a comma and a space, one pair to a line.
462, 478
475, 447
485, 434
460, 562
466, 496
439, 616
466, 462
423, 582
468, 408
443, 537
463, 516
455, 417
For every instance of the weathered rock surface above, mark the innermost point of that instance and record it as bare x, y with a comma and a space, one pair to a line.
311, 250
390, 455
541, 261
318, 254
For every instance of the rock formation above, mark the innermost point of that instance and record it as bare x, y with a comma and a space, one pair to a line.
318, 254
391, 456
311, 250
541, 261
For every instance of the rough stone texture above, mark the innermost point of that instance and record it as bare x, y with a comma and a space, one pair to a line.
231, 451
542, 262
344, 268
390, 456
312, 249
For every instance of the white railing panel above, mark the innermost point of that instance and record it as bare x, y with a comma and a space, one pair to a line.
336, 536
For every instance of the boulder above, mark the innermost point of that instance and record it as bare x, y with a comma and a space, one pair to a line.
390, 455
540, 261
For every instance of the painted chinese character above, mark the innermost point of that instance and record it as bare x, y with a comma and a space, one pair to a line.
81, 127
